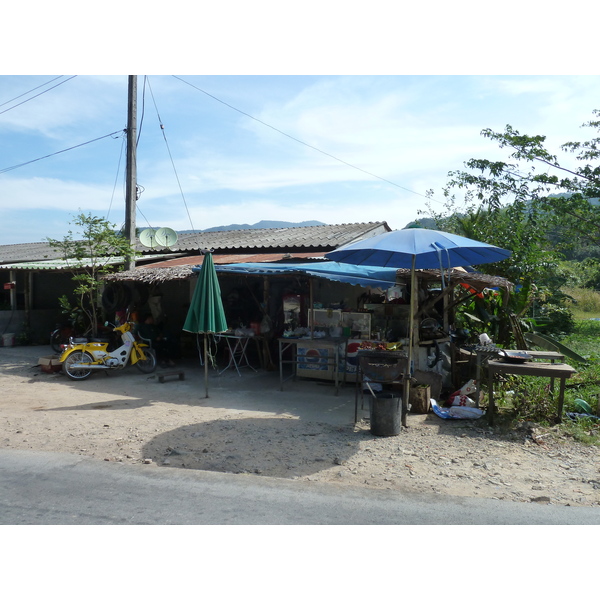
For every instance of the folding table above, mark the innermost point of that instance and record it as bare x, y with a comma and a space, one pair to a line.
237, 346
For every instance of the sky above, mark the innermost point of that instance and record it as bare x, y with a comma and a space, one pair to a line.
241, 145
393, 95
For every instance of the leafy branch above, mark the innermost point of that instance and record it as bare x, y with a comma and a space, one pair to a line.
97, 250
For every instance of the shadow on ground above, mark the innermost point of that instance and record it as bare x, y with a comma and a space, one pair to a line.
273, 447
473, 428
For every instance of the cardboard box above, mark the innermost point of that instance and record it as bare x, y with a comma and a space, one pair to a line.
420, 398
50, 364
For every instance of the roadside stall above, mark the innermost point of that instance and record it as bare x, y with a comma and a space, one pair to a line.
324, 314
315, 312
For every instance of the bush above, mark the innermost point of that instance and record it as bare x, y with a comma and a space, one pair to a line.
556, 320
528, 399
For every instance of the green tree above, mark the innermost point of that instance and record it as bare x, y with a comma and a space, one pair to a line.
565, 195
518, 227
539, 206
98, 249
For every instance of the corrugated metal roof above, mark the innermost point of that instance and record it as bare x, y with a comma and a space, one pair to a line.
315, 238
226, 259
182, 268
13, 253
59, 264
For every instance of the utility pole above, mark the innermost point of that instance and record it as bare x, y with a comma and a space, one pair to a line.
131, 170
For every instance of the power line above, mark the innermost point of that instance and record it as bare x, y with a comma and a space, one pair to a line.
32, 97
162, 127
5, 170
116, 177
300, 141
29, 92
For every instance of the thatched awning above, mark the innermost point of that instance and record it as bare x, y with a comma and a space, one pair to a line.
151, 276
478, 281
158, 275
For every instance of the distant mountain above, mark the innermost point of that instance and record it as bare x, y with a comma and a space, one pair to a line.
259, 225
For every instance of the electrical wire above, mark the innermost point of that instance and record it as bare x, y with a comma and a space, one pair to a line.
124, 139
32, 97
299, 141
143, 110
6, 169
162, 127
29, 92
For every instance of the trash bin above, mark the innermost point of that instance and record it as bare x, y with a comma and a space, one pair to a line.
386, 410
8, 339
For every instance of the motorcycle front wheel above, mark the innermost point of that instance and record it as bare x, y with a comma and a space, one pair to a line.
77, 357
148, 365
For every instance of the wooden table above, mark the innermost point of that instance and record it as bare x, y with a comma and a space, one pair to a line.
535, 369
485, 354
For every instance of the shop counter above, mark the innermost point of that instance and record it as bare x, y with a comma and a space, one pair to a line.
316, 357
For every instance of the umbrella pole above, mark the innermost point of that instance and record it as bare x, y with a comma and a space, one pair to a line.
411, 340
205, 367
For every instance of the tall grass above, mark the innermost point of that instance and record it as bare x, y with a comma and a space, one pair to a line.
585, 304
585, 384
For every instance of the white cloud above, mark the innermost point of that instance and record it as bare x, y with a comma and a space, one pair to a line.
79, 105
408, 130
44, 193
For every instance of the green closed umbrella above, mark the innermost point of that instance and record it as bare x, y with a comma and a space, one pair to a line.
206, 314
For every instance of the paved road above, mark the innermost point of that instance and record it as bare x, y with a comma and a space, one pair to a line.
56, 489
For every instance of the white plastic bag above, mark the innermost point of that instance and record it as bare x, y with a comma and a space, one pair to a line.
456, 412
461, 397
465, 412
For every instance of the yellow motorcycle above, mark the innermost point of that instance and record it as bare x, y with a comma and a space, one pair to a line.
79, 360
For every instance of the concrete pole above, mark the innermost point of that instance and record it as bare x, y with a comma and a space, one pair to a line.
131, 175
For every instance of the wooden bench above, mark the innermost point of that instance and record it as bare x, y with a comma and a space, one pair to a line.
161, 376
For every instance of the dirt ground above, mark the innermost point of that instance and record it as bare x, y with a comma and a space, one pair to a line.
249, 426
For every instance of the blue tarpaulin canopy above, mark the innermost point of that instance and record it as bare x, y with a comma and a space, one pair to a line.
366, 276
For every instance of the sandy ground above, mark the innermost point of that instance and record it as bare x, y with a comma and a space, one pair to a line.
303, 432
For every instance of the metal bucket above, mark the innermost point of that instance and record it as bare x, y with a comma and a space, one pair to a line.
385, 412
